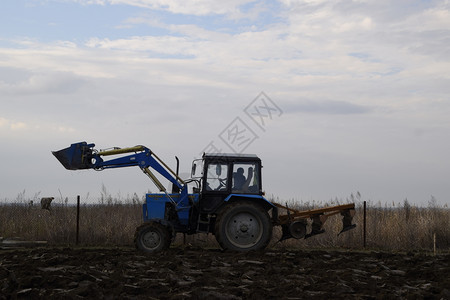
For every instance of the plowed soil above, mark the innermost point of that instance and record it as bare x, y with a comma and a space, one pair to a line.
194, 273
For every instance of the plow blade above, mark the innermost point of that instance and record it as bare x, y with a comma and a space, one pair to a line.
347, 228
316, 226
76, 157
347, 220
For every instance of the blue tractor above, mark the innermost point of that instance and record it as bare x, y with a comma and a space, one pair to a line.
227, 199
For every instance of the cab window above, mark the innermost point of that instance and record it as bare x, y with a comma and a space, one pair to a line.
245, 178
216, 178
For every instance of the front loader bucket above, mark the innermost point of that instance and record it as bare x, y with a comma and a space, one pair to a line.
77, 156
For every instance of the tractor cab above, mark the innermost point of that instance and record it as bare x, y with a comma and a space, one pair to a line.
226, 175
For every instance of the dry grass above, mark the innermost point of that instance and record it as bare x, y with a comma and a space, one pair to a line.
113, 221
108, 224
396, 227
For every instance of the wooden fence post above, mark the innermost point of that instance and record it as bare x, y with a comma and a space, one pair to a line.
78, 220
364, 226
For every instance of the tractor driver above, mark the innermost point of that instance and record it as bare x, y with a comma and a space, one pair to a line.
240, 183
239, 179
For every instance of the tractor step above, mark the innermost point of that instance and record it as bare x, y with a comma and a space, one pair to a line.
203, 223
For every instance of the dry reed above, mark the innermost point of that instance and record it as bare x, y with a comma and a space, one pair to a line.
112, 222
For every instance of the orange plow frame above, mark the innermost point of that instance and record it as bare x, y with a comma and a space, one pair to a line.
294, 222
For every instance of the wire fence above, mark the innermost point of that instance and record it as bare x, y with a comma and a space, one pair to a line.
112, 222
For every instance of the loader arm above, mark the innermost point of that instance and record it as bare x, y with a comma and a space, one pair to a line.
83, 156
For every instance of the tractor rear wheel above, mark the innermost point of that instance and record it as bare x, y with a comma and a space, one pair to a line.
152, 237
243, 226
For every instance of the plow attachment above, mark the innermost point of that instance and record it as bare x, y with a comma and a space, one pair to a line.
294, 223
76, 157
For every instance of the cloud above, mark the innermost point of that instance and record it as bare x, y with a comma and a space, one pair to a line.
12, 125
18, 126
63, 129
169, 45
34, 129
38, 57
189, 7
181, 71
3, 122
327, 107
43, 83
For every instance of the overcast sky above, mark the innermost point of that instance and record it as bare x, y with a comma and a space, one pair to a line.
336, 97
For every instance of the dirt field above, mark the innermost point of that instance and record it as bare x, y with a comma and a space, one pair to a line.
194, 273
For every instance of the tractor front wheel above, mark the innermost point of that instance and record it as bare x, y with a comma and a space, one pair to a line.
152, 237
243, 226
